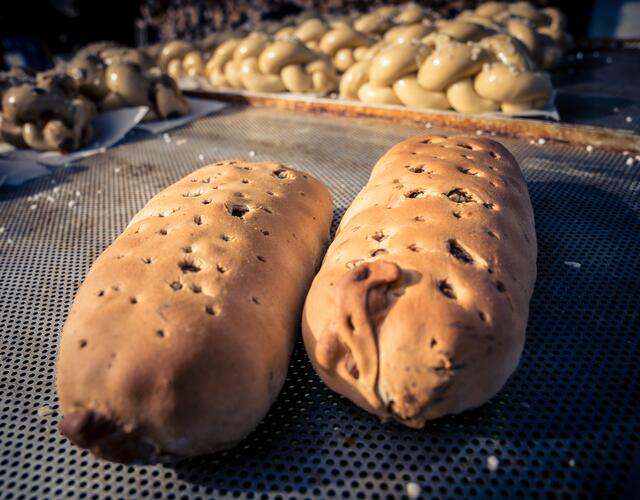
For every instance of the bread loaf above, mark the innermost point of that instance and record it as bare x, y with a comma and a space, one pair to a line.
421, 304
178, 340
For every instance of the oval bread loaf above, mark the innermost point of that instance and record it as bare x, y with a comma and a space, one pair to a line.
178, 340
421, 304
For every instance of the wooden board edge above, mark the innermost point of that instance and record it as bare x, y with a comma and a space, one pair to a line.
524, 129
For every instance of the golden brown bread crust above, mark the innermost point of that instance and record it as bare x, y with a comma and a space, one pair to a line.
421, 304
179, 339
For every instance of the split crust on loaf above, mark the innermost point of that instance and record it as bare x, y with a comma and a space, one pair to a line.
178, 340
421, 304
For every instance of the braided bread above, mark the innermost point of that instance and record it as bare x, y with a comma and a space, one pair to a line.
46, 114
440, 72
263, 65
115, 77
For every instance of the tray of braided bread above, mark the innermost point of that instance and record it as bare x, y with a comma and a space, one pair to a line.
494, 59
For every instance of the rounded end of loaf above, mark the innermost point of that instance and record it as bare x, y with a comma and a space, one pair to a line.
106, 438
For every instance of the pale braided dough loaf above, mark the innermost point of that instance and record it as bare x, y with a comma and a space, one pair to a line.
178, 340
541, 31
421, 304
260, 64
440, 72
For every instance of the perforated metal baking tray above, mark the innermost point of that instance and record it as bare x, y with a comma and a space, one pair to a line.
566, 425
600, 86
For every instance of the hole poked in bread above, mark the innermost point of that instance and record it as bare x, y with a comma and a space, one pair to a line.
146, 260
458, 195
221, 269
446, 289
415, 193
261, 258
283, 173
500, 286
198, 220
379, 251
458, 252
238, 210
196, 288
378, 236
175, 286
210, 310
467, 171
255, 300
420, 169
351, 366
187, 266
414, 248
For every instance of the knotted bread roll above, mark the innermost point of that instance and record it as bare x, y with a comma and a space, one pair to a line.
129, 86
114, 77
345, 45
181, 59
420, 307
47, 114
178, 340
